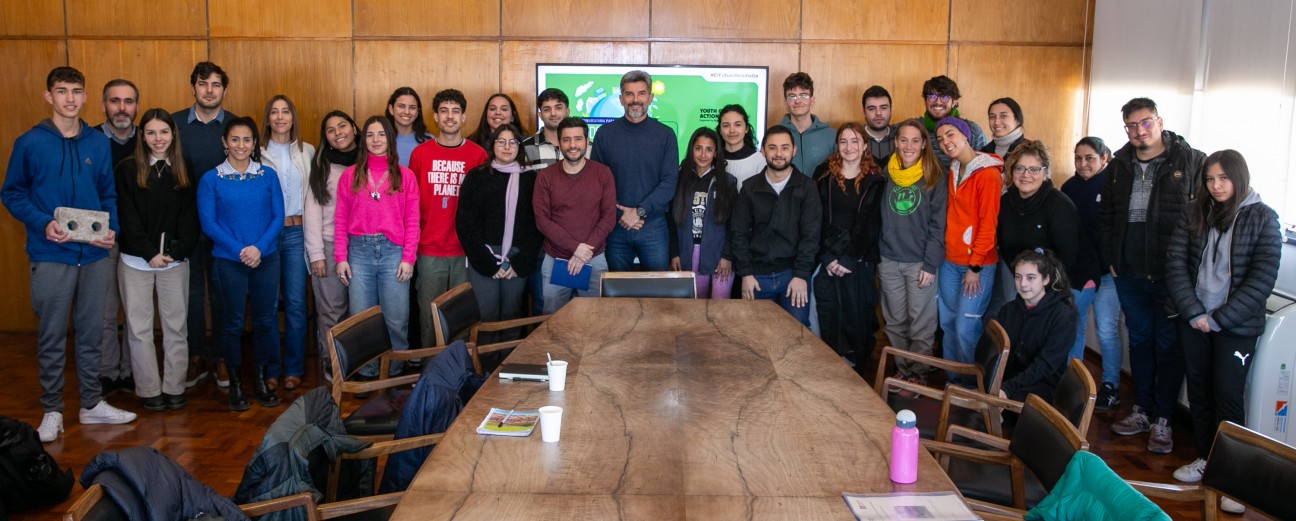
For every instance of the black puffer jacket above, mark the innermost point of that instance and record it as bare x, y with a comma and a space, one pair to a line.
1254, 261
148, 486
1174, 186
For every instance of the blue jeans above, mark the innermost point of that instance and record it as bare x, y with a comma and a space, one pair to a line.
238, 282
1083, 298
1156, 361
374, 260
960, 316
292, 286
1106, 320
774, 287
648, 243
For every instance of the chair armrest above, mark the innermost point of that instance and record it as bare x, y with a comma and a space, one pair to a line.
354, 506
921, 390
303, 500
499, 346
940, 363
992, 457
973, 400
375, 438
991, 511
414, 354
977, 436
378, 385
383, 448
510, 324
1169, 491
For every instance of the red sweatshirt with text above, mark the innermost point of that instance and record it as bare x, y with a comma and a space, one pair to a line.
440, 172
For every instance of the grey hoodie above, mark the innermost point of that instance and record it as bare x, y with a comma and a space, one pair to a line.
1215, 272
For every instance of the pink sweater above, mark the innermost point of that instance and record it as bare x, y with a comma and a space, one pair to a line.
394, 215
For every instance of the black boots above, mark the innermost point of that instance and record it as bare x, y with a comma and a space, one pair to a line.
237, 402
261, 391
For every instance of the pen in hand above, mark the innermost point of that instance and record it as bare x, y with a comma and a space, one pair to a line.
501, 422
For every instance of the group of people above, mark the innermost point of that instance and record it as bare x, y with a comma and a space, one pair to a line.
940, 224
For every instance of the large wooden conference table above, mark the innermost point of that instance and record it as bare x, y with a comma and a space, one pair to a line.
674, 409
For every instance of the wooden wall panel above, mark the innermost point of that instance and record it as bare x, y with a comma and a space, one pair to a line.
426, 18
262, 19
900, 68
428, 67
923, 21
518, 61
1013, 21
31, 18
30, 61
1048, 82
160, 68
315, 74
565, 19
138, 18
767, 19
781, 58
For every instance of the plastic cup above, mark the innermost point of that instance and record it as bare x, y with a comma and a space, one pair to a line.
557, 375
550, 423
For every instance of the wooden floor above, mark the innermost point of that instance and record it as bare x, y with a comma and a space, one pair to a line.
214, 444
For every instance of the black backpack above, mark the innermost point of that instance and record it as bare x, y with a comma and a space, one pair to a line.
29, 476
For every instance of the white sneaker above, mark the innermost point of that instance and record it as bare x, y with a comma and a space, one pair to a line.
106, 414
1192, 472
1230, 506
50, 427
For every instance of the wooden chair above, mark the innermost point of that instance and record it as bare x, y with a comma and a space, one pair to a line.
1253, 469
648, 284
1074, 397
1043, 443
988, 365
95, 505
455, 312
355, 342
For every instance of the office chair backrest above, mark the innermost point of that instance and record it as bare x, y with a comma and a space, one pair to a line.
1254, 469
359, 339
1044, 441
649, 284
1075, 395
453, 313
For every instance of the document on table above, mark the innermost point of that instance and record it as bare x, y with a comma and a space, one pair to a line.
930, 506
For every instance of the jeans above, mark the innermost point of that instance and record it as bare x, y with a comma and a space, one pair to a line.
60, 291
648, 243
555, 296
960, 316
1106, 310
498, 299
374, 260
201, 278
1155, 360
1083, 298
238, 283
774, 287
1217, 365
292, 286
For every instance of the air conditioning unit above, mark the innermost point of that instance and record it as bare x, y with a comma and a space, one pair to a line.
1269, 393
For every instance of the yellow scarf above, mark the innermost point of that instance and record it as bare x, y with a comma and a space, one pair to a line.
903, 177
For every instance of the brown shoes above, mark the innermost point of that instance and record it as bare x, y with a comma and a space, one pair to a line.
291, 383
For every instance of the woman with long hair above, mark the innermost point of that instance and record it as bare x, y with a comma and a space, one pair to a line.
1222, 264
850, 189
283, 151
240, 206
1040, 323
376, 233
912, 245
499, 110
742, 158
337, 151
704, 199
1006, 119
158, 211
405, 112
497, 229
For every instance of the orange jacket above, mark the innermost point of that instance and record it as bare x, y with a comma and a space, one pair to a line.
972, 212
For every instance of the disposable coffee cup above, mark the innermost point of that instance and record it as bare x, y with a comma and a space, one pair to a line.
557, 375
550, 422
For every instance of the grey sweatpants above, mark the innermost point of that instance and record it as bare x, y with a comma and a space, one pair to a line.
114, 357
55, 289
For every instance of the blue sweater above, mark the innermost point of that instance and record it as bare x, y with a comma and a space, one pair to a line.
46, 171
240, 213
644, 159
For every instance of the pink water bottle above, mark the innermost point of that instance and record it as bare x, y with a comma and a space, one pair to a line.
904, 448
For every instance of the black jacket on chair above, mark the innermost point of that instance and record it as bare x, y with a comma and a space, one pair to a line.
148, 486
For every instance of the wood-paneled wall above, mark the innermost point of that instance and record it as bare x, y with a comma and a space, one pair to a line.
350, 54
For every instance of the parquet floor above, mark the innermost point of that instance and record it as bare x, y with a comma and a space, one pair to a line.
214, 444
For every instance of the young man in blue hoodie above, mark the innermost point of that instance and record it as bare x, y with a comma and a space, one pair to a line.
63, 162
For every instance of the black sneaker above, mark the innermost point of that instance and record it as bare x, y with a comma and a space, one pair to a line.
154, 403
174, 401
1108, 397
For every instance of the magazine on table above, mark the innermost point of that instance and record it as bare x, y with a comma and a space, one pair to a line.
506, 422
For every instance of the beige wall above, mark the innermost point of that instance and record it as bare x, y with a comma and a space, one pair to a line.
350, 54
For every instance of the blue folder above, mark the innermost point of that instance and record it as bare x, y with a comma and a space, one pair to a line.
579, 281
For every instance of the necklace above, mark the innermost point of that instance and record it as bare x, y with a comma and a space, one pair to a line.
375, 192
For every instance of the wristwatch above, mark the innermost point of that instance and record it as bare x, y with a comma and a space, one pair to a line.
643, 214
975, 268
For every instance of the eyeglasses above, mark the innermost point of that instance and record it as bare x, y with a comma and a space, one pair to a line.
1034, 170
795, 97
933, 98
1146, 124
506, 142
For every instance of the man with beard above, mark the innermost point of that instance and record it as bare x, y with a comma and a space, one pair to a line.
200, 127
1152, 179
120, 104
774, 230
575, 209
877, 120
941, 97
644, 157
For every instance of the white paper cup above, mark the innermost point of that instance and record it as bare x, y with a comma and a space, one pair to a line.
557, 375
550, 422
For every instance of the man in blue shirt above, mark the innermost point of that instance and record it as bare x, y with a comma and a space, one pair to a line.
63, 162
644, 157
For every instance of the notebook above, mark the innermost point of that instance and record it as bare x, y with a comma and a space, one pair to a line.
505, 422
579, 281
530, 372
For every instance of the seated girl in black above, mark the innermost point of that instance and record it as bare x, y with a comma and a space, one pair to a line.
1041, 324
